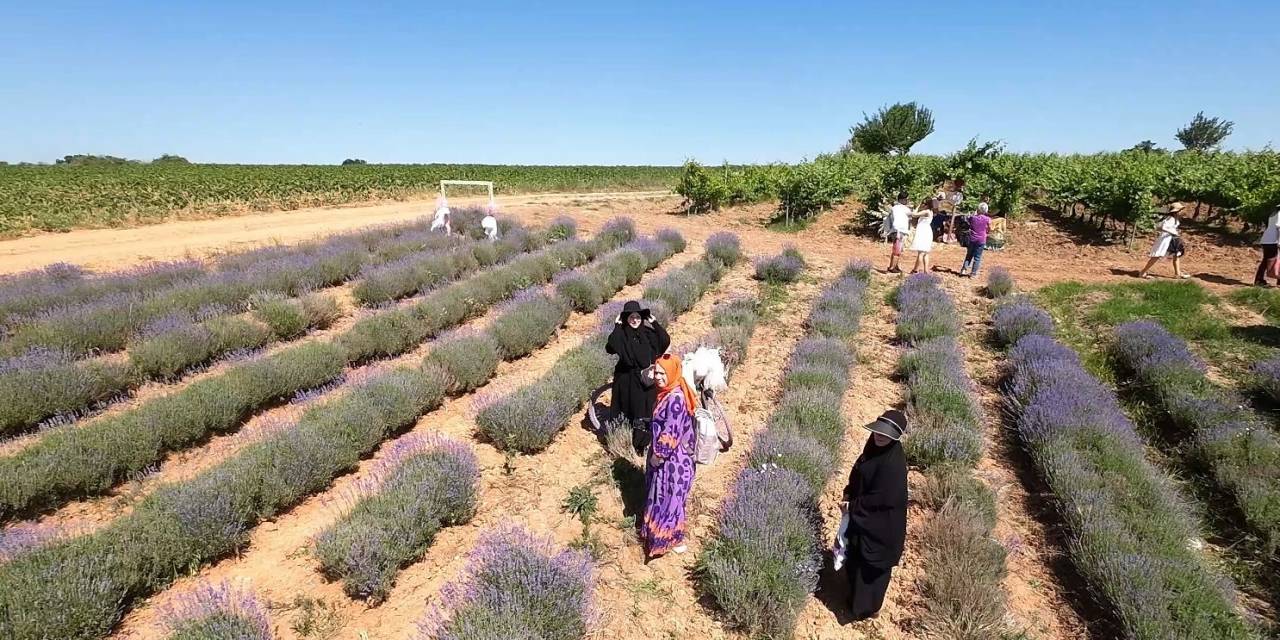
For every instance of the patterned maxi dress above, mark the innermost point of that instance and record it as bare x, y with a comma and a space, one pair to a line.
669, 482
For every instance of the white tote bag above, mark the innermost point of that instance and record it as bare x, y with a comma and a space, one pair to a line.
841, 548
708, 445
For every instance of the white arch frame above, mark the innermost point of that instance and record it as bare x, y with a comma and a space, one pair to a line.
469, 183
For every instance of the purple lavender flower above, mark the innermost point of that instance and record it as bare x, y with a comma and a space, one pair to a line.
999, 282
724, 248
217, 612
516, 585
1267, 378
1013, 321
25, 537
784, 268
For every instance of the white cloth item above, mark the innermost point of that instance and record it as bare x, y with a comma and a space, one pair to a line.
490, 226
441, 221
708, 442
1168, 231
840, 550
703, 369
1271, 235
923, 239
901, 215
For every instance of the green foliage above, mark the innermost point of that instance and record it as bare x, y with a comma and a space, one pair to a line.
85, 191
703, 190
812, 187
893, 129
350, 161
170, 158
1204, 134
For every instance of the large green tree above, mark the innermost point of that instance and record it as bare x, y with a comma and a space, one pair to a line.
1204, 134
893, 129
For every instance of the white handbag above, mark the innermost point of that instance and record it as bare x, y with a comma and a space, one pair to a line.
841, 548
708, 445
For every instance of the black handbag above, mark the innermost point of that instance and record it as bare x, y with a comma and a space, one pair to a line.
1177, 247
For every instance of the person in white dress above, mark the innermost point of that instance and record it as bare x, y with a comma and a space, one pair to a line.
1168, 244
490, 225
441, 221
922, 241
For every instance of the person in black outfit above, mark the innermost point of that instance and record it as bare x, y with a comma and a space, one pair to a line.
637, 340
876, 500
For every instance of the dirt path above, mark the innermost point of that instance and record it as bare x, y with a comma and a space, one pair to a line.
115, 248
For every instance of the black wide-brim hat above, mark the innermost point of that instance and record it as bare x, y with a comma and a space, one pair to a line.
633, 306
891, 424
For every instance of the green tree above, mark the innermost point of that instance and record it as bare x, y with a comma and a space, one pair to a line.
170, 158
1204, 134
350, 161
1146, 146
893, 129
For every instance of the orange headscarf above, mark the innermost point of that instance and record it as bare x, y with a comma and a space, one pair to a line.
671, 365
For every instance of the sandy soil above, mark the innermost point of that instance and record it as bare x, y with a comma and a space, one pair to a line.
639, 600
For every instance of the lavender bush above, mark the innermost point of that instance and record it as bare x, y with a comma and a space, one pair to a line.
619, 231
217, 612
528, 322
723, 248
681, 289
924, 310
765, 556
516, 585
1266, 375
999, 282
562, 228
783, 268
764, 560
946, 420
1130, 533
672, 238
469, 357
1020, 318
1240, 452
46, 383
422, 485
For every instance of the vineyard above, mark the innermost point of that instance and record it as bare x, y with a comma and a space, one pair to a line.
387, 433
1124, 190
54, 198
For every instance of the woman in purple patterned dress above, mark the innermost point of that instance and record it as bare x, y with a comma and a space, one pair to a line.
668, 476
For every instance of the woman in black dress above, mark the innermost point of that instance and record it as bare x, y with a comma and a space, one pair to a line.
876, 500
637, 340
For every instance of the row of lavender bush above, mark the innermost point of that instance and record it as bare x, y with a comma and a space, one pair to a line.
1240, 453
516, 585
108, 323
963, 565
75, 462
64, 288
422, 486
527, 419
1130, 534
93, 578
44, 384
765, 556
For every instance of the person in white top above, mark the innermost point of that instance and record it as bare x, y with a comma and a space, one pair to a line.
490, 225
922, 242
900, 226
441, 221
1270, 240
1168, 244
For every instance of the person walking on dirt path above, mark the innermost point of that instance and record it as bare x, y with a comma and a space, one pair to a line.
876, 501
976, 239
1270, 238
900, 221
1168, 243
637, 339
922, 242
669, 468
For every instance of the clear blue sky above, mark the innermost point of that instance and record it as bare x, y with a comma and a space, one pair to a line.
619, 83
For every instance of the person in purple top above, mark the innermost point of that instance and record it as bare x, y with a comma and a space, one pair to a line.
979, 224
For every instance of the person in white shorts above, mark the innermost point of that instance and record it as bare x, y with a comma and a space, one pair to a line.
900, 226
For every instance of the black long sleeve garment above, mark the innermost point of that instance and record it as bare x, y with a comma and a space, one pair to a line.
636, 349
877, 496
